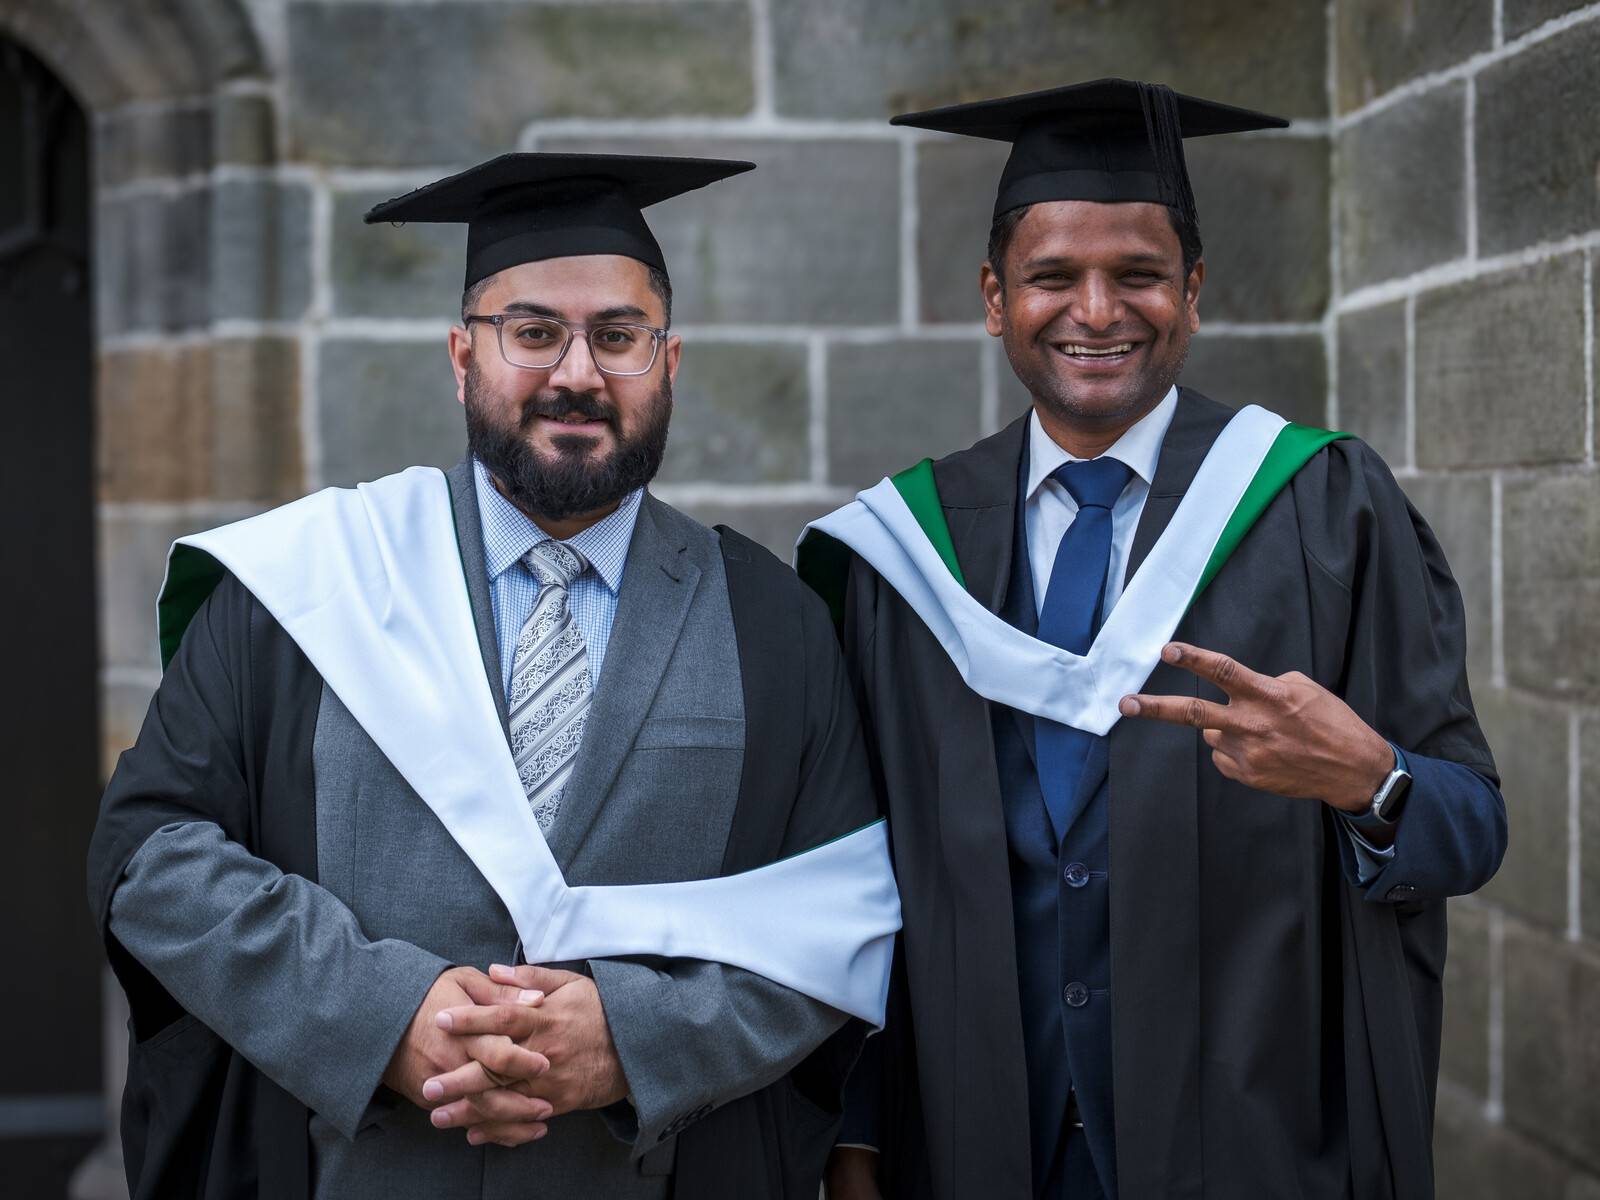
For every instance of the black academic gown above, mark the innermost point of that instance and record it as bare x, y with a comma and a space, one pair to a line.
199, 1121
1275, 1028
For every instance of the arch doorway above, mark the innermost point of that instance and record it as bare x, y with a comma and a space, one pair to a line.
51, 1111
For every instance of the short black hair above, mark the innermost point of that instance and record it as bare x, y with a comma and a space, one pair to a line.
660, 284
1005, 225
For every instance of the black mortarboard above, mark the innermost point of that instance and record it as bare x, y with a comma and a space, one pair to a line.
1110, 140
525, 207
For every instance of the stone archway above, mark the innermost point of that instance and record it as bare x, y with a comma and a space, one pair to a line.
190, 421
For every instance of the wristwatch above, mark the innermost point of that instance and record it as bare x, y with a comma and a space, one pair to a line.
1389, 799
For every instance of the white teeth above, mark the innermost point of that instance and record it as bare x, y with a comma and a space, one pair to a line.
1090, 352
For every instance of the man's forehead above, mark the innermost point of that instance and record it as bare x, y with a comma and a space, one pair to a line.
580, 283
1131, 227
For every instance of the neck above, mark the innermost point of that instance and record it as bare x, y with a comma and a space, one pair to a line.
559, 528
1084, 437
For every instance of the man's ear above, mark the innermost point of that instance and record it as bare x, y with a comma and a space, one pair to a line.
994, 296
460, 358
674, 353
1191, 294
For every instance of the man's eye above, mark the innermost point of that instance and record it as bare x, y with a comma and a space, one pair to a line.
614, 338
533, 335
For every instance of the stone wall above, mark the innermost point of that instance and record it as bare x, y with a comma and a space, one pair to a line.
1466, 184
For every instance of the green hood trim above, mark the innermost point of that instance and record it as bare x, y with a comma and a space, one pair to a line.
192, 575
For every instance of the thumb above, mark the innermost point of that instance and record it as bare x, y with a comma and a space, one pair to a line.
544, 979
508, 991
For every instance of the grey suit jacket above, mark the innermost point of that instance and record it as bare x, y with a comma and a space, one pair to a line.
315, 983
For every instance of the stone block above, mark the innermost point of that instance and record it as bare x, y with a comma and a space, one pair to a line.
1460, 511
1382, 44
255, 422
137, 143
260, 250
383, 406
1465, 1056
1400, 180
1287, 374
245, 131
1529, 741
153, 423
1523, 15
399, 84
893, 403
1552, 1042
1538, 159
1499, 368
1589, 827
413, 270
813, 236
956, 184
152, 262
1551, 550
1475, 1158
865, 58
774, 524
132, 555
1263, 204
1372, 379
740, 414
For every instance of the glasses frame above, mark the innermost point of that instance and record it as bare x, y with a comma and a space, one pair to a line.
574, 332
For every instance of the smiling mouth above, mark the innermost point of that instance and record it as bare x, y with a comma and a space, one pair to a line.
575, 420
1099, 355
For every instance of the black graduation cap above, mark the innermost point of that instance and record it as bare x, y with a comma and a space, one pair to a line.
525, 207
1110, 140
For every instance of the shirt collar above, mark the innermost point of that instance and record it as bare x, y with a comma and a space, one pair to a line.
1139, 447
508, 533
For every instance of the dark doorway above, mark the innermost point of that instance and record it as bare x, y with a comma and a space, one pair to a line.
49, 708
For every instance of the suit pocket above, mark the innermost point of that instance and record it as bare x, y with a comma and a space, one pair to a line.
673, 733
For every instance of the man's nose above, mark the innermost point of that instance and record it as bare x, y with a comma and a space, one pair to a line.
576, 372
1098, 305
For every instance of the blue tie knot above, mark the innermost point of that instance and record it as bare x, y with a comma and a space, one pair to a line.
1095, 483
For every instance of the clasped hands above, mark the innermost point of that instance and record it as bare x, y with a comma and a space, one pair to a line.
500, 1054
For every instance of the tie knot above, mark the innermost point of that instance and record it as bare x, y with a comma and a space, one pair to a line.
555, 564
1096, 483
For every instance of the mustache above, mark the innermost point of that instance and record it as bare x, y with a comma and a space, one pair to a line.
563, 403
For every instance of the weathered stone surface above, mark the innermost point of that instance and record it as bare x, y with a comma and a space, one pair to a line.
1529, 741
1478, 1159
1263, 204
413, 270
144, 143
255, 420
774, 524
132, 557
1465, 1058
1382, 44
892, 404
122, 712
1499, 368
152, 262
1551, 550
260, 250
384, 406
1552, 1042
864, 58
245, 131
153, 436
377, 83
1400, 178
1589, 826
813, 236
1538, 162
1523, 15
740, 415
956, 183
1460, 511
1287, 374
1372, 379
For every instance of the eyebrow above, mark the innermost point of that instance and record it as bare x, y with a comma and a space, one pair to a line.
615, 313
1133, 259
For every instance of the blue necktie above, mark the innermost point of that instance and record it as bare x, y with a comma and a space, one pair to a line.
1071, 615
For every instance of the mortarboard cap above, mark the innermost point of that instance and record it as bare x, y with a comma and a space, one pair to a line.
526, 207
1110, 140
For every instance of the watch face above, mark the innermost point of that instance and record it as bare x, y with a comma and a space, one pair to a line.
1394, 796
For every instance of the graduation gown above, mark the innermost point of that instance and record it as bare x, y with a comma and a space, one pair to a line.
229, 740
1275, 1028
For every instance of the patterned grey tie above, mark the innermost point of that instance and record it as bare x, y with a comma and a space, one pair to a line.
550, 684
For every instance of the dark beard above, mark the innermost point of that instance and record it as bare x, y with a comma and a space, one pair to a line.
566, 484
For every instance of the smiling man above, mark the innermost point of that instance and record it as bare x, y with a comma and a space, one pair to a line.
451, 724
1173, 727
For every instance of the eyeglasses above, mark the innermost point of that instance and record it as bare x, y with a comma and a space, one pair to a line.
540, 343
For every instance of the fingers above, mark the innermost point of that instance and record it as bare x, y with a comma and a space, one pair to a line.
545, 979
508, 1134
499, 1106
484, 990
1232, 676
1183, 710
508, 1020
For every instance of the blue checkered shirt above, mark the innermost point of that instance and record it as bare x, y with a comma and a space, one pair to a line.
508, 535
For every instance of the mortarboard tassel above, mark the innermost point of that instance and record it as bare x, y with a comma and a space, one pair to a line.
1160, 105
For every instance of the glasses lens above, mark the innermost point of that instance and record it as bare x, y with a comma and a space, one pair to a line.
622, 349
532, 341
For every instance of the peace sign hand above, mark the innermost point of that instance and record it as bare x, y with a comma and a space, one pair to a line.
1285, 734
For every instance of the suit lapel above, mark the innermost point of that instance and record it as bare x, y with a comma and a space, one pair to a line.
469, 537
657, 587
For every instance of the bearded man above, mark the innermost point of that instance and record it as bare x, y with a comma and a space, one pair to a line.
520, 712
